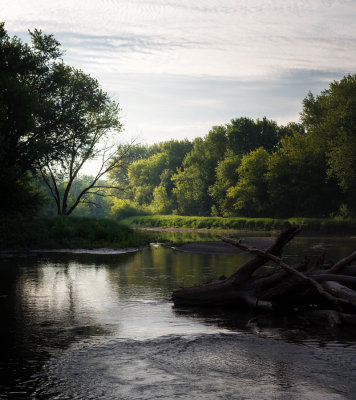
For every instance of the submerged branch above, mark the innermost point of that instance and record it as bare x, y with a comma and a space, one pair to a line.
316, 290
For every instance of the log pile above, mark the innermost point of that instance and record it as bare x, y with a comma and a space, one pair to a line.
317, 291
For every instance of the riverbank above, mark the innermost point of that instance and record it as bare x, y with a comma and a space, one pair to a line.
316, 226
68, 232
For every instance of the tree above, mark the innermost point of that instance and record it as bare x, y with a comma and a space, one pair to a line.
308, 292
226, 176
144, 176
197, 173
119, 176
250, 194
86, 117
189, 185
52, 119
24, 77
162, 203
94, 206
297, 181
154, 171
331, 117
244, 135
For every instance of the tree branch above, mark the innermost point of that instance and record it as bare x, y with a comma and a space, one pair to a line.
267, 256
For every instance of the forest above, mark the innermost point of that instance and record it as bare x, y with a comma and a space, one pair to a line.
55, 118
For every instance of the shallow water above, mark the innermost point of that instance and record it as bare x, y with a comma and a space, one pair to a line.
101, 326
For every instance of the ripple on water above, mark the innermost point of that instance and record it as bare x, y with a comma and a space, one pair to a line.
215, 366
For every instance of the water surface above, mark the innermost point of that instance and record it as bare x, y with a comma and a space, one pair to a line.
87, 326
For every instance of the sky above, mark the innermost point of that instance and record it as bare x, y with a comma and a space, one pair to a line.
179, 67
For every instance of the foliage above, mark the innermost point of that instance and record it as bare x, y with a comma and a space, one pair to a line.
245, 135
124, 208
250, 192
146, 174
309, 225
25, 72
162, 203
226, 176
54, 118
331, 118
133, 152
197, 173
297, 179
71, 232
88, 116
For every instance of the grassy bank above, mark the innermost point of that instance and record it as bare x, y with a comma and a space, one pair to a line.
67, 232
309, 225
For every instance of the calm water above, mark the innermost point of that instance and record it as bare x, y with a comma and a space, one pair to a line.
79, 326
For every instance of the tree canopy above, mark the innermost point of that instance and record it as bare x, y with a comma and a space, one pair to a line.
331, 118
24, 77
54, 118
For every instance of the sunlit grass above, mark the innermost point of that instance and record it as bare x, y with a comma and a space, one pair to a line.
309, 225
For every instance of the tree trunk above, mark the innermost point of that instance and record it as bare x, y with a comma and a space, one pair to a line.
323, 292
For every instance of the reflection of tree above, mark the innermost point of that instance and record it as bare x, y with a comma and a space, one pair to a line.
153, 273
52, 303
45, 310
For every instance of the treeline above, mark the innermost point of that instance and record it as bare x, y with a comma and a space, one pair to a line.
246, 168
54, 118
254, 168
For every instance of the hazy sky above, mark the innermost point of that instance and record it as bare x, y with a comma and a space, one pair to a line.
178, 67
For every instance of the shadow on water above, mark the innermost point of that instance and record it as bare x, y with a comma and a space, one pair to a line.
90, 326
34, 325
286, 327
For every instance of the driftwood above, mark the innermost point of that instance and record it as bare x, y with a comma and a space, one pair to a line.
318, 292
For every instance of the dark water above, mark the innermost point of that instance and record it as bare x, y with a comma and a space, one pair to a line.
86, 326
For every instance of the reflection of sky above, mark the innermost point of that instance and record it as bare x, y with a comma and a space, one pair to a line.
126, 301
178, 67
68, 293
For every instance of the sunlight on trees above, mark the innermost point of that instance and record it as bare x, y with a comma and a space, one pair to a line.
54, 118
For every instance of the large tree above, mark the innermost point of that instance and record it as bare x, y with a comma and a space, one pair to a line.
297, 181
53, 119
250, 193
197, 173
24, 79
331, 118
226, 176
86, 117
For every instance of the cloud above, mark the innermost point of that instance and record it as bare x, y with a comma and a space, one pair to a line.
229, 38
157, 108
180, 66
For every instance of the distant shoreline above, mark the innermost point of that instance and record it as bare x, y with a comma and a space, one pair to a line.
222, 247
241, 226
205, 230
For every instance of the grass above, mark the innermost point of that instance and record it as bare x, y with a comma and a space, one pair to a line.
67, 232
309, 225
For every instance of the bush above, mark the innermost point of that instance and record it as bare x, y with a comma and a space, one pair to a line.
68, 232
123, 208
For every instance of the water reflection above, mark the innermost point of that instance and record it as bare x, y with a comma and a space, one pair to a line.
119, 304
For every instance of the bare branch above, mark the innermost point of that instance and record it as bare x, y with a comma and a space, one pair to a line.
300, 275
91, 202
342, 263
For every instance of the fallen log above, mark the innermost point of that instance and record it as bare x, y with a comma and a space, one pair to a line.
323, 290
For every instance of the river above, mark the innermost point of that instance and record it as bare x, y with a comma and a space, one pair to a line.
101, 326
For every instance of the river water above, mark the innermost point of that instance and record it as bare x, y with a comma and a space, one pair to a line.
101, 326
